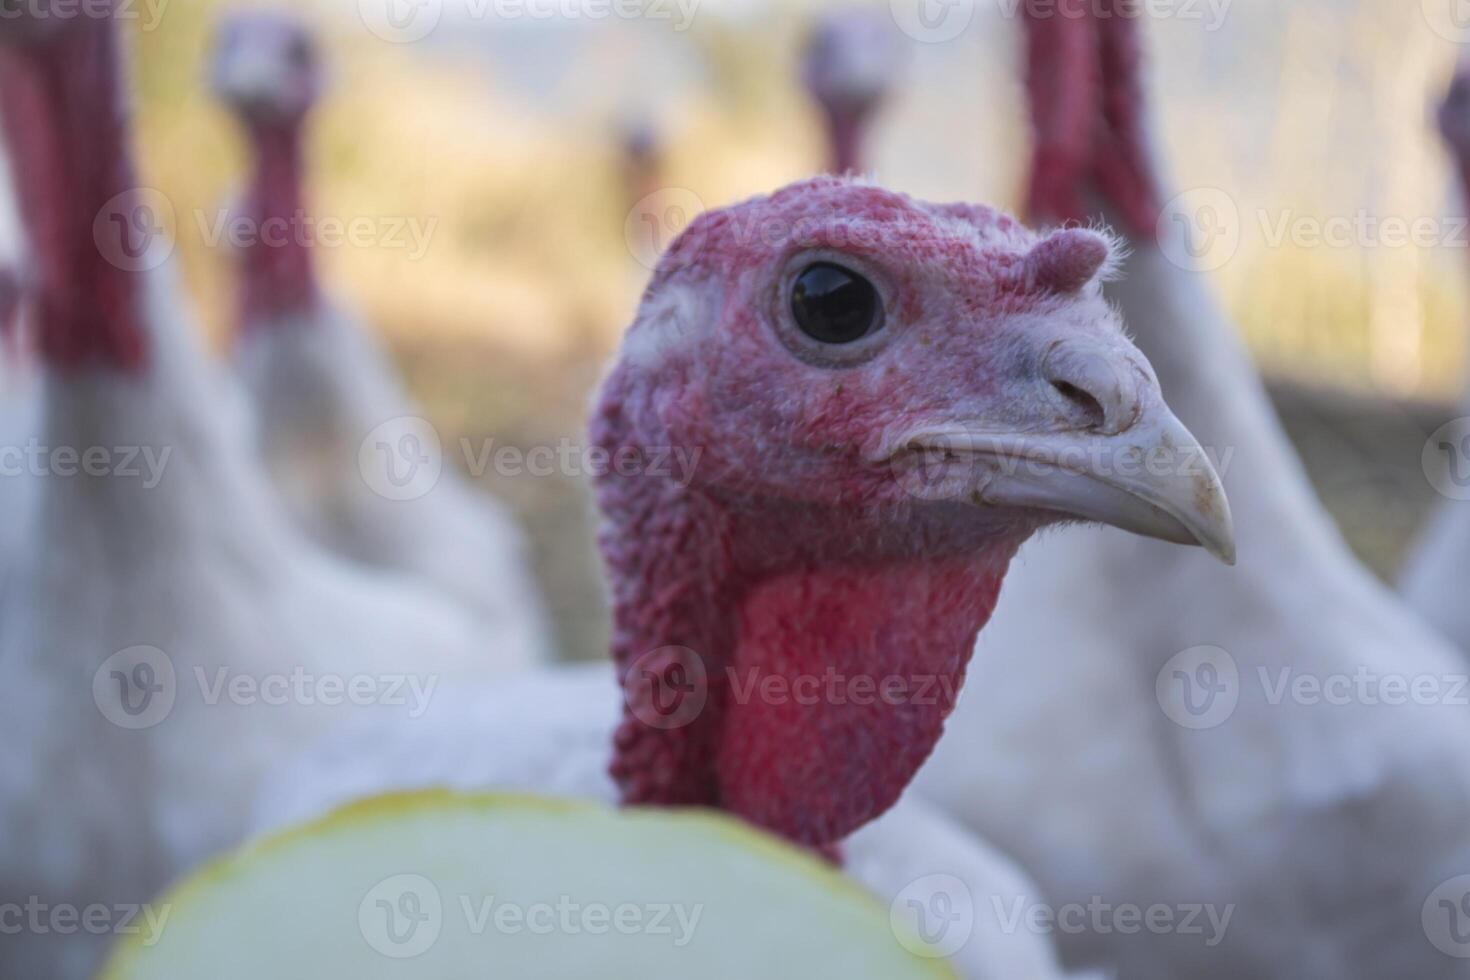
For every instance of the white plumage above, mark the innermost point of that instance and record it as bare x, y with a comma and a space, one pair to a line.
548, 732
1322, 827
329, 404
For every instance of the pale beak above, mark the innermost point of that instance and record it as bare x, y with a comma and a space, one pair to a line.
1153, 479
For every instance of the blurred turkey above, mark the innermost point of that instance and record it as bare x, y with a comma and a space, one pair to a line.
322, 385
165, 636
1436, 575
850, 64
1152, 746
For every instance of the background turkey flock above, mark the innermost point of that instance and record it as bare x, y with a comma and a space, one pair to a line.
233, 469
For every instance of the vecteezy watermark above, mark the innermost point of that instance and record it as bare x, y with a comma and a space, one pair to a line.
656, 219
145, 464
407, 21
403, 916
38, 917
1210, 13
138, 688
1446, 459
668, 687
933, 916
299, 229
1201, 687
131, 230
1203, 229
1103, 918
403, 459
932, 21
149, 13
1450, 19
1446, 917
941, 468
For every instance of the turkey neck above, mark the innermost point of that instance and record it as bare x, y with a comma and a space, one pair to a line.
846, 127
278, 279
66, 121
786, 663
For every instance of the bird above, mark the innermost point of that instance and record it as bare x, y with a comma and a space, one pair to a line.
165, 634
1161, 744
847, 383
849, 65
324, 391
1437, 568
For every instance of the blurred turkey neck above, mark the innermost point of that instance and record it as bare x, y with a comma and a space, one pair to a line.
278, 280
846, 128
66, 122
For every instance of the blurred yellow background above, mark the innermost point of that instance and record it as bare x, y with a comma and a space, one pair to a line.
505, 135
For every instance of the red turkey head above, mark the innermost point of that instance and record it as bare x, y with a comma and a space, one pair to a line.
884, 399
266, 68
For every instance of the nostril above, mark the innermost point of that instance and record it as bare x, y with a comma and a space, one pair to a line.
1084, 401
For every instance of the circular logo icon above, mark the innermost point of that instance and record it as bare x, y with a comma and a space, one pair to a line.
936, 470
932, 21
131, 230
402, 459
1199, 687
401, 21
1199, 230
401, 916
1446, 917
667, 688
933, 916
1450, 19
1446, 459
656, 220
135, 688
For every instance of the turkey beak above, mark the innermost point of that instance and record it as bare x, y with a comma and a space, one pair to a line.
1152, 478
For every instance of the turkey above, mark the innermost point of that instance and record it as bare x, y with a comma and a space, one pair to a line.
1438, 568
164, 635
849, 65
325, 393
1230, 746
873, 428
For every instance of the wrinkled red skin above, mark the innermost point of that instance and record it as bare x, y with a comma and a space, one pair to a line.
277, 275
1083, 81
788, 556
71, 156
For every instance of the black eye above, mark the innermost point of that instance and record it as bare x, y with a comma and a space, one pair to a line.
834, 305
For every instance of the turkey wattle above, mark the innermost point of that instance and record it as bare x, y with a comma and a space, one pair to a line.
879, 426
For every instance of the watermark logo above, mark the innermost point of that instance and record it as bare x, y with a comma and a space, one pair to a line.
1446, 917
1450, 19
1446, 459
933, 916
401, 21
656, 220
932, 21
135, 688
131, 230
1199, 230
667, 688
401, 459
402, 916
1198, 688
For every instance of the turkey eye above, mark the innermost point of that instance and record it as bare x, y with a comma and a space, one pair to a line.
834, 305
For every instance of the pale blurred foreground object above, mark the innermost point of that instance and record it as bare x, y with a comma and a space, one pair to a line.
400, 886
